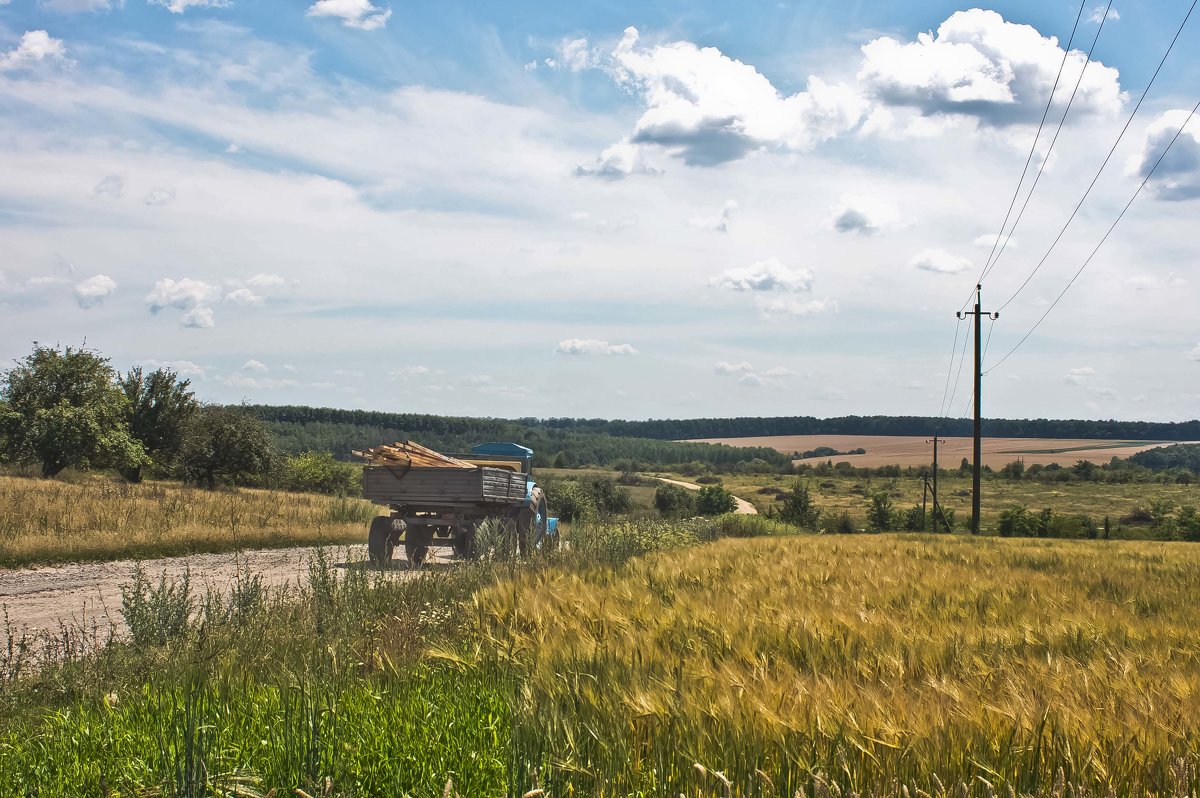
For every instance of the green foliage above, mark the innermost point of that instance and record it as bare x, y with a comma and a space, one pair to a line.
319, 472
914, 519
715, 500
156, 615
879, 512
607, 496
1018, 522
674, 501
225, 444
159, 405
62, 409
799, 508
1013, 470
568, 500
1184, 455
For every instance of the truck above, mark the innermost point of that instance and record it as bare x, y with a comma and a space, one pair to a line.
439, 506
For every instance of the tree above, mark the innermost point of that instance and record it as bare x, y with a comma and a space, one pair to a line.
674, 501
715, 500
319, 472
160, 404
225, 443
64, 409
799, 509
879, 513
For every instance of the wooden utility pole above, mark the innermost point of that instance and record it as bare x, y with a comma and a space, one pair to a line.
978, 445
936, 440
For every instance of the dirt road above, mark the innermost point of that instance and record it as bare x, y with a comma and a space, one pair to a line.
743, 507
84, 596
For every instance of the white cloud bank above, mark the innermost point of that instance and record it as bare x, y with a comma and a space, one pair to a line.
35, 47
193, 297
1177, 177
358, 14
592, 346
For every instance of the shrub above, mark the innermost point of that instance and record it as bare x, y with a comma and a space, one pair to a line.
715, 500
156, 615
319, 472
607, 496
799, 508
840, 523
569, 501
674, 501
879, 512
914, 519
1018, 522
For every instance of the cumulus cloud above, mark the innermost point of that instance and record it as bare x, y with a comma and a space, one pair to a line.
254, 365
722, 367
35, 47
359, 14
592, 346
749, 377
110, 188
863, 215
1078, 376
184, 368
617, 161
191, 296
719, 224
939, 261
1177, 176
575, 55
765, 275
93, 290
707, 108
981, 66
180, 6
244, 296
266, 281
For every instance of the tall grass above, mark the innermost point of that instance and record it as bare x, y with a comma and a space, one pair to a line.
99, 518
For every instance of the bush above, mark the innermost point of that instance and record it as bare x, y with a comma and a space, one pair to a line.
607, 496
799, 508
674, 501
879, 512
715, 500
839, 523
156, 615
569, 501
914, 519
319, 472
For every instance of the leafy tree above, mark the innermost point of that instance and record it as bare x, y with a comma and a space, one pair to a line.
799, 508
674, 501
879, 514
227, 444
1014, 470
64, 409
569, 500
160, 404
319, 472
715, 500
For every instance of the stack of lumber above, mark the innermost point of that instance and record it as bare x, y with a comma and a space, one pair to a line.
409, 454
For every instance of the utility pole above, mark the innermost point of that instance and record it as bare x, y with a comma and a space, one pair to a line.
936, 440
978, 446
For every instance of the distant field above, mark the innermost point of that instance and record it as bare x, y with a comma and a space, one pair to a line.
907, 450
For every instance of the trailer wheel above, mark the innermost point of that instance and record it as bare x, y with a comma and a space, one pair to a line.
416, 554
380, 542
464, 546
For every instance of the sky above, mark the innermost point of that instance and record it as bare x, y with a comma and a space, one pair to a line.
617, 209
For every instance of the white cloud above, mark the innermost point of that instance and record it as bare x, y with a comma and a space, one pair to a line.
254, 365
790, 306
359, 14
1098, 15
257, 383
160, 196
864, 215
617, 161
765, 275
1078, 376
265, 281
180, 6
980, 65
1177, 176
93, 290
35, 47
110, 188
592, 346
348, 373
244, 296
990, 240
1195, 353
719, 224
707, 108
184, 368
939, 261
723, 367
188, 295
408, 372
574, 54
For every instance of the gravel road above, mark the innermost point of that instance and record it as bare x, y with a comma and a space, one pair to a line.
88, 595
743, 507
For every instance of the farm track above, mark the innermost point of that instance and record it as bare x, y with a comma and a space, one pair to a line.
86, 597
743, 507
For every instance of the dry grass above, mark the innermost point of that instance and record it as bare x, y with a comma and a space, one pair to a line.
873, 660
908, 450
97, 518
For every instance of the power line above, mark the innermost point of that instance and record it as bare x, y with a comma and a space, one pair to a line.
1042, 166
961, 360
1111, 227
1033, 147
950, 368
1107, 158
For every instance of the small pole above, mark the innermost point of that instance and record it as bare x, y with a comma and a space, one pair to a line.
977, 449
936, 440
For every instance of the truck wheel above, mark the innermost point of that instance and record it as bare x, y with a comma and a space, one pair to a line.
380, 543
416, 554
464, 546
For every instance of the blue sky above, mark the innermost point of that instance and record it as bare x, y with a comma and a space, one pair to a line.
611, 209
